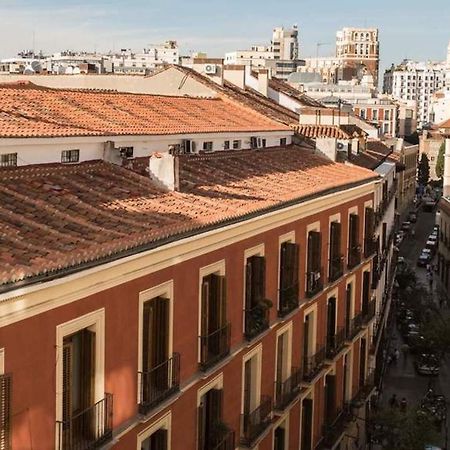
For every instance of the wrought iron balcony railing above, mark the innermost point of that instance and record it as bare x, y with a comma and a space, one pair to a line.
335, 342
214, 346
286, 391
313, 364
254, 423
88, 429
288, 300
314, 283
256, 320
336, 267
159, 383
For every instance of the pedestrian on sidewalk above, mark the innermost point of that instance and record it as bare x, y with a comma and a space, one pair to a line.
403, 405
396, 355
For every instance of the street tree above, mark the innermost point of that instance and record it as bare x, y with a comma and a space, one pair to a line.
440, 161
423, 172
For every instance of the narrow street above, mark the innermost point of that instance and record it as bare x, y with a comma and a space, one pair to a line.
401, 377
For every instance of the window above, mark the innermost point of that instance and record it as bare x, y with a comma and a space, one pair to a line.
336, 268
256, 305
157, 436
369, 232
263, 143
289, 286
253, 142
207, 146
159, 377
362, 113
215, 330
314, 270
283, 142
8, 160
365, 306
70, 156
126, 152
226, 145
354, 250
375, 114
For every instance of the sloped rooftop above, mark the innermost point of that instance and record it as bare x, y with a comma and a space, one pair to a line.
57, 219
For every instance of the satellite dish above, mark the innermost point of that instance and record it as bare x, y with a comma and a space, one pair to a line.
69, 71
28, 70
36, 66
76, 71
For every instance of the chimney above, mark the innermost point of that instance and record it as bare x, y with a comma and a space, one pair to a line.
164, 170
263, 82
447, 168
235, 74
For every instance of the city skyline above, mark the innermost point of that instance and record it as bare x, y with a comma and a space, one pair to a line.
107, 25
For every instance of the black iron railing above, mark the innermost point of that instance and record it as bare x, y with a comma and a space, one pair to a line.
335, 342
313, 364
370, 246
286, 391
366, 388
355, 326
354, 256
255, 422
256, 320
288, 300
333, 430
223, 438
159, 383
88, 429
336, 268
314, 283
214, 346
369, 311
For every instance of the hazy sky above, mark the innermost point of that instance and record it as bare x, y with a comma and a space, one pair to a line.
408, 28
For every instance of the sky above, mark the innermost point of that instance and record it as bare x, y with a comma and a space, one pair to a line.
408, 28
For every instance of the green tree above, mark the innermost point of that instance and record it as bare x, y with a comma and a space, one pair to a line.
423, 173
440, 161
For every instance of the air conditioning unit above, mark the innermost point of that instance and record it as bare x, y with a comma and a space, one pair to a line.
210, 69
339, 146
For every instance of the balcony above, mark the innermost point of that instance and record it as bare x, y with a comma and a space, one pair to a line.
89, 429
223, 438
370, 246
335, 342
255, 422
214, 347
369, 312
256, 320
365, 390
355, 326
313, 364
333, 431
314, 283
336, 268
288, 300
354, 256
286, 391
159, 383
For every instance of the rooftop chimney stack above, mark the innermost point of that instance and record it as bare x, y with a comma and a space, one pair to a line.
263, 82
235, 74
164, 170
447, 167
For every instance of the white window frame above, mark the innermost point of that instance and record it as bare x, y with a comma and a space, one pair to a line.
255, 352
286, 329
162, 290
309, 310
94, 321
164, 423
218, 267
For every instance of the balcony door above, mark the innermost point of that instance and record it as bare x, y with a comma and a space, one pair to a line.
78, 388
314, 268
307, 424
157, 441
335, 267
155, 354
331, 323
330, 399
213, 318
210, 419
289, 288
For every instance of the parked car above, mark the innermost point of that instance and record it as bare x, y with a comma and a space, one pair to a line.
424, 258
433, 237
431, 245
427, 364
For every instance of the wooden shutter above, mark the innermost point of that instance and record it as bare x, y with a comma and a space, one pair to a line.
248, 284
289, 267
248, 386
362, 362
384, 234
284, 281
331, 312
306, 338
256, 277
354, 228
158, 440
160, 330
87, 368
316, 244
366, 292
330, 398
215, 401
280, 357
201, 422
206, 293
222, 295
369, 223
348, 306
5, 412
335, 240
67, 380
306, 431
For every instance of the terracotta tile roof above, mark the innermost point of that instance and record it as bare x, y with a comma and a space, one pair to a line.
445, 124
375, 154
57, 217
28, 111
286, 88
331, 131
